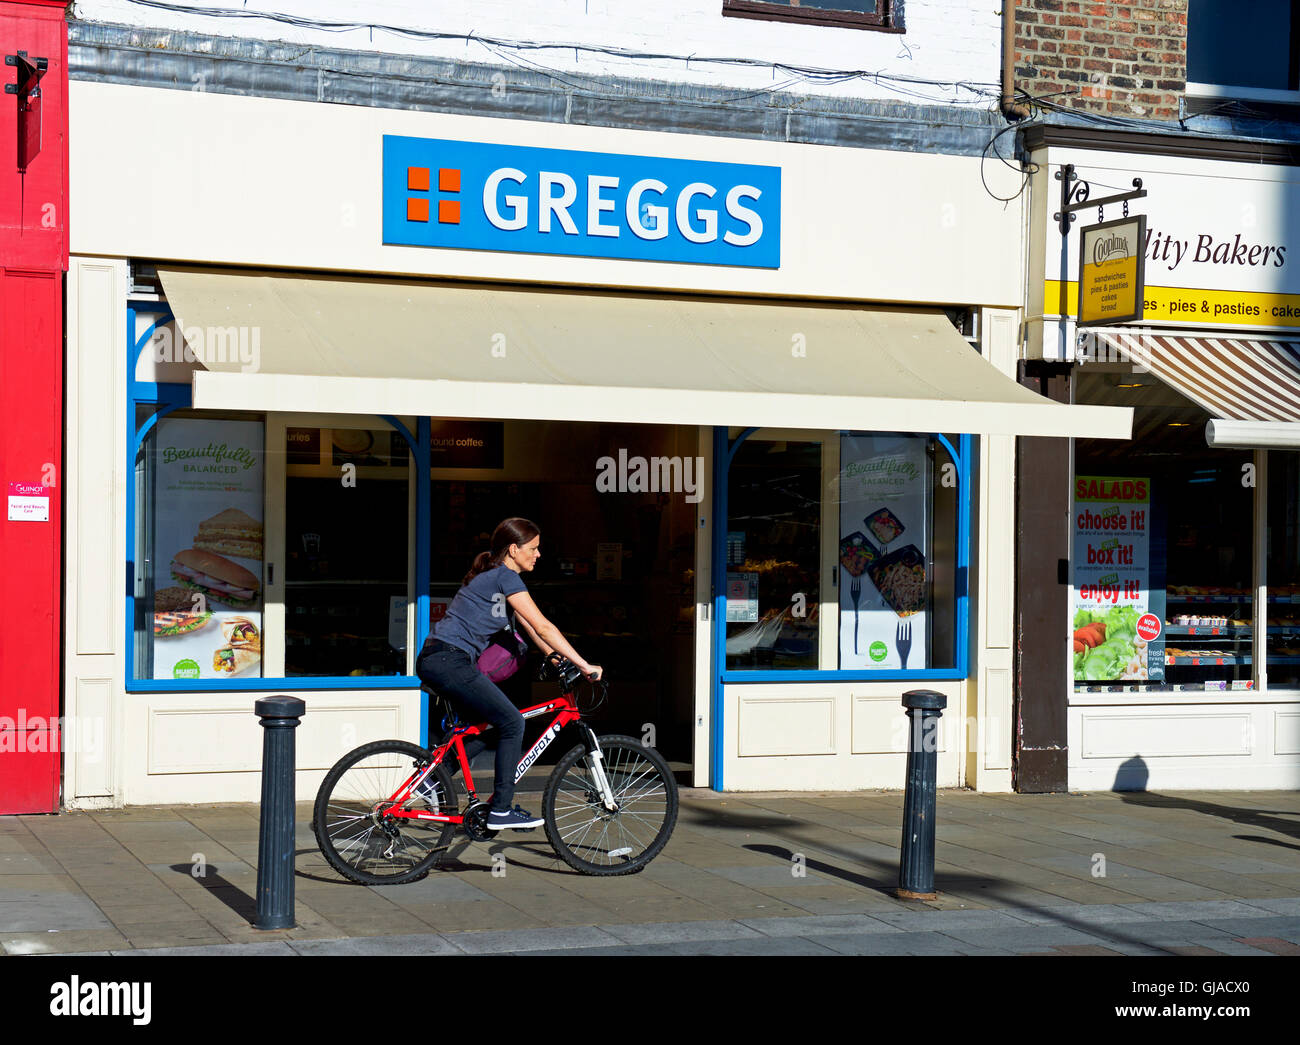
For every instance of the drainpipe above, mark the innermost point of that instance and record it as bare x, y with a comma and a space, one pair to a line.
1010, 109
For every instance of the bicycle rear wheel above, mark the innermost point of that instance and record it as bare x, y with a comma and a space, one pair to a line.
592, 839
351, 826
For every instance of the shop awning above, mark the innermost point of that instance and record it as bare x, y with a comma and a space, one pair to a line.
1234, 379
455, 350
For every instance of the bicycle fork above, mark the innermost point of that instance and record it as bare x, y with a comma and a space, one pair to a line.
597, 760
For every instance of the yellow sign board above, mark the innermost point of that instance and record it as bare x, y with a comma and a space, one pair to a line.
1195, 305
1111, 269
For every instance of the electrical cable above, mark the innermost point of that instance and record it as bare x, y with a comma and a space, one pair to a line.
902, 84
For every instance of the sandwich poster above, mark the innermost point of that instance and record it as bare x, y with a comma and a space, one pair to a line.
208, 541
1117, 631
884, 585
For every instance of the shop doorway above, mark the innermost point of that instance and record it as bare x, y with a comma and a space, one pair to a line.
618, 508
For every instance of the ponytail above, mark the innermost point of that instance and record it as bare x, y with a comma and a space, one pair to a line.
508, 532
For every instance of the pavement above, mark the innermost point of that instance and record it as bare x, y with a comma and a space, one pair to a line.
1176, 873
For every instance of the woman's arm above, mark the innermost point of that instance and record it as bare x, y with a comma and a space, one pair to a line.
536, 639
546, 634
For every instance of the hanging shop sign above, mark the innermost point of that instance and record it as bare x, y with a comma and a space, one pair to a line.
1112, 271
481, 196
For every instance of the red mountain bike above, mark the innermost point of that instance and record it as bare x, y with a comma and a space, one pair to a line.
387, 810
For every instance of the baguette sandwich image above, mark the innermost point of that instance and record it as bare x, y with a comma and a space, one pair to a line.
244, 649
231, 532
216, 577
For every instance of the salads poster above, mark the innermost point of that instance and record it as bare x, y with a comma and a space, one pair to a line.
1118, 626
884, 487
206, 600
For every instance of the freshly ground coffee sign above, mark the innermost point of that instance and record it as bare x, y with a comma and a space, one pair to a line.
1111, 271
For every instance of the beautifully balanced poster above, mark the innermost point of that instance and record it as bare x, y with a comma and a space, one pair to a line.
208, 541
1115, 635
884, 487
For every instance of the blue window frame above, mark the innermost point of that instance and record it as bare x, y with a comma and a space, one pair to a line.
162, 399
725, 450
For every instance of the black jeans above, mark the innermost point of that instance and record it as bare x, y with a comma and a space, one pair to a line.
450, 671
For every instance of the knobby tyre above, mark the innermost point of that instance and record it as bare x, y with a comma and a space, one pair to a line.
587, 836
357, 839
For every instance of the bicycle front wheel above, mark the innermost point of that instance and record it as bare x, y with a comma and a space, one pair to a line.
351, 819
595, 840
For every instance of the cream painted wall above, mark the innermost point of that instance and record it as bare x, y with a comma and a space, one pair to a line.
94, 481
260, 182
845, 736
1242, 744
989, 717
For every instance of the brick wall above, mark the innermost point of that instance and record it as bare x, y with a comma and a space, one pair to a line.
1122, 59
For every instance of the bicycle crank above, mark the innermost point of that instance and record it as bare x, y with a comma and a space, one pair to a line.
476, 822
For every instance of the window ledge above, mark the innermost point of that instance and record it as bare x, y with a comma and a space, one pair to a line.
1228, 92
780, 12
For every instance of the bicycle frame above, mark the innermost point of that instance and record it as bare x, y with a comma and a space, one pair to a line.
568, 714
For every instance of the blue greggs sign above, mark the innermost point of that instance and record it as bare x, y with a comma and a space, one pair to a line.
476, 196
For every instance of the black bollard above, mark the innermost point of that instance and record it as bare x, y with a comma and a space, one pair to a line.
916, 858
275, 843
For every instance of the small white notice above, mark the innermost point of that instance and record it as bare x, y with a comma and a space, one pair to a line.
29, 502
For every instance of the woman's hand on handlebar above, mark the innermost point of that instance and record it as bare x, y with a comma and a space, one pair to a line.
593, 672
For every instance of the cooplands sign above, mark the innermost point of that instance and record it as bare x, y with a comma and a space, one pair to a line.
1111, 274
480, 196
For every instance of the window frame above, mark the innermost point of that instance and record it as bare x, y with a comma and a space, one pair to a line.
724, 450
890, 20
169, 397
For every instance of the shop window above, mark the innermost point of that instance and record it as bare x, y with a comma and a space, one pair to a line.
197, 583
346, 532
774, 555
881, 15
1251, 45
1282, 571
898, 497
846, 553
1162, 532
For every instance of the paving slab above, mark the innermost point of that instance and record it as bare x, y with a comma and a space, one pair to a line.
417, 944
530, 939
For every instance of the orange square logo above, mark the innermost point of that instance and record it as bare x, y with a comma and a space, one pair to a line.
449, 212
448, 179
417, 210
417, 179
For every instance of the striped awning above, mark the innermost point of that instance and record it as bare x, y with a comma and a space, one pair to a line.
1240, 379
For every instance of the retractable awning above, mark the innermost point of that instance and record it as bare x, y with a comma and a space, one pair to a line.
1251, 386
371, 346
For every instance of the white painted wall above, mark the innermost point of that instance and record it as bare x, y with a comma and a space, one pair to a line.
953, 41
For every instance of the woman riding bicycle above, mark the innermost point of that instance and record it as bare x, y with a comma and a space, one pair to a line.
448, 661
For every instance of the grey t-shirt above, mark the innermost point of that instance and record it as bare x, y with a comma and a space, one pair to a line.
479, 610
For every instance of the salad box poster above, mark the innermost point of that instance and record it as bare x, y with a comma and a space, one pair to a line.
1117, 629
207, 578
884, 488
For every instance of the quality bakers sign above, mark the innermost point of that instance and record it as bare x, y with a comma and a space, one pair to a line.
479, 196
1111, 270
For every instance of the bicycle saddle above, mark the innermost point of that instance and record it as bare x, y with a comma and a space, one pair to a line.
441, 709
